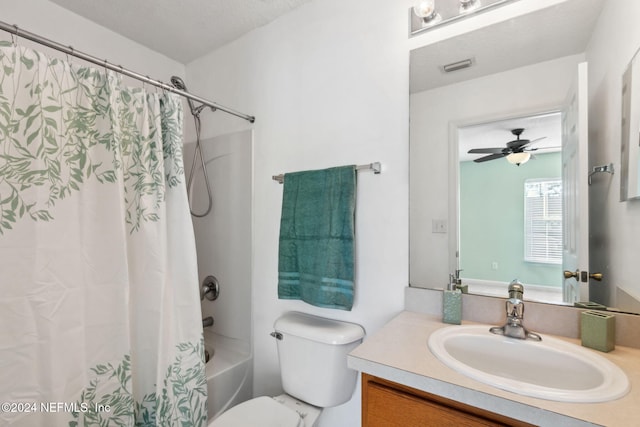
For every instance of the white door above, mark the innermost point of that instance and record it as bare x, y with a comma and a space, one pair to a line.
575, 169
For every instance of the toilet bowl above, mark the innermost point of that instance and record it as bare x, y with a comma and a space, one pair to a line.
312, 352
264, 411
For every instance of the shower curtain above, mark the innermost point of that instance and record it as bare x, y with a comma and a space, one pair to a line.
100, 321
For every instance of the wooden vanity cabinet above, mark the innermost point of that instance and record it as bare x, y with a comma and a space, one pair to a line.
388, 404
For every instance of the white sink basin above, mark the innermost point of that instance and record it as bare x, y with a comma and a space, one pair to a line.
551, 369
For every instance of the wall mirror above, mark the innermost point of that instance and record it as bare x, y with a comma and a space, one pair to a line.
521, 74
630, 144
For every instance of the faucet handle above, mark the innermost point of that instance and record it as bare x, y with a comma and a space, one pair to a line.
210, 289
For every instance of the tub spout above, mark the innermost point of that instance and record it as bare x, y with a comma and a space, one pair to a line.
207, 321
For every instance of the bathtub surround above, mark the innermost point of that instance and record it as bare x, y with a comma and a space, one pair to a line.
223, 238
317, 237
229, 372
223, 243
91, 177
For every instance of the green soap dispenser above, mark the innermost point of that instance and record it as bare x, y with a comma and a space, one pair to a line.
452, 301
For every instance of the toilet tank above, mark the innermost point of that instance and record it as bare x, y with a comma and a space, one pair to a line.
313, 358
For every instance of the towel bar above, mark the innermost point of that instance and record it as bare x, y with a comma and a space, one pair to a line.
376, 167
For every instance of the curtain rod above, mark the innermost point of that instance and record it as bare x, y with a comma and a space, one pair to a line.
376, 167
69, 50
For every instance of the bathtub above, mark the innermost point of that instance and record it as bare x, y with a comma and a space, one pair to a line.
228, 372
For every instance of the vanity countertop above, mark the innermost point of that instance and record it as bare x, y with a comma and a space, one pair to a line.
399, 352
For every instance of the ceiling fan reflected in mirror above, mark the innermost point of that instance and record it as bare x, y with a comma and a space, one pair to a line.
517, 151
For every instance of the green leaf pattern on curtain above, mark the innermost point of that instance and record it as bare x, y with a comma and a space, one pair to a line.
63, 115
182, 402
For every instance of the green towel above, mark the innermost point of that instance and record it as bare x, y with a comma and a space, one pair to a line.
317, 237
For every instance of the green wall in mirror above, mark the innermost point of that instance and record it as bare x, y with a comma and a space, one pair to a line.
492, 221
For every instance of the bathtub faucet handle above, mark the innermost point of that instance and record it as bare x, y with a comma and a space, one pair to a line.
210, 289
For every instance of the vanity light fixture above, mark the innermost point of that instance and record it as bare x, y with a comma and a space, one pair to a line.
426, 14
518, 158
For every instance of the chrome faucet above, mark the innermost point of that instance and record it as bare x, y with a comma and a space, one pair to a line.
515, 315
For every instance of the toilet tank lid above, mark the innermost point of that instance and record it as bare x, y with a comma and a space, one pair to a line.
318, 329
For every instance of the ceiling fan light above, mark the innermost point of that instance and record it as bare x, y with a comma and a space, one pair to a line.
518, 158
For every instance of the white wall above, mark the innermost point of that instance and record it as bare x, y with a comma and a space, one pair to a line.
53, 22
328, 84
614, 242
535, 88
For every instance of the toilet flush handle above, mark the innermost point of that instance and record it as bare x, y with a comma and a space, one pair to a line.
276, 335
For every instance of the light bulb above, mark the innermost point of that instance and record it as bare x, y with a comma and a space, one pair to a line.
424, 9
518, 158
469, 5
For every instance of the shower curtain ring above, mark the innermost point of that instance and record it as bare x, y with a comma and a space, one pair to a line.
146, 82
67, 53
15, 36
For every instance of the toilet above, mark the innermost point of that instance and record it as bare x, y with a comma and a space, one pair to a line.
313, 366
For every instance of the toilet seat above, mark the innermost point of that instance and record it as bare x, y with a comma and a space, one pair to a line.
262, 411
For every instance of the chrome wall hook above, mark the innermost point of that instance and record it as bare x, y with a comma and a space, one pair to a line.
597, 169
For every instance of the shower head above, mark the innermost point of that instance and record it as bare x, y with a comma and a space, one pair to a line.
178, 83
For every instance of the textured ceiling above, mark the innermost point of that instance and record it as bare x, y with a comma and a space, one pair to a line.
183, 30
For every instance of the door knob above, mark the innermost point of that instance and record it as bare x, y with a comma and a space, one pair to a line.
596, 276
577, 274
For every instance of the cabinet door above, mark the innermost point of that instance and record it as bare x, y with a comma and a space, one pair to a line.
387, 404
